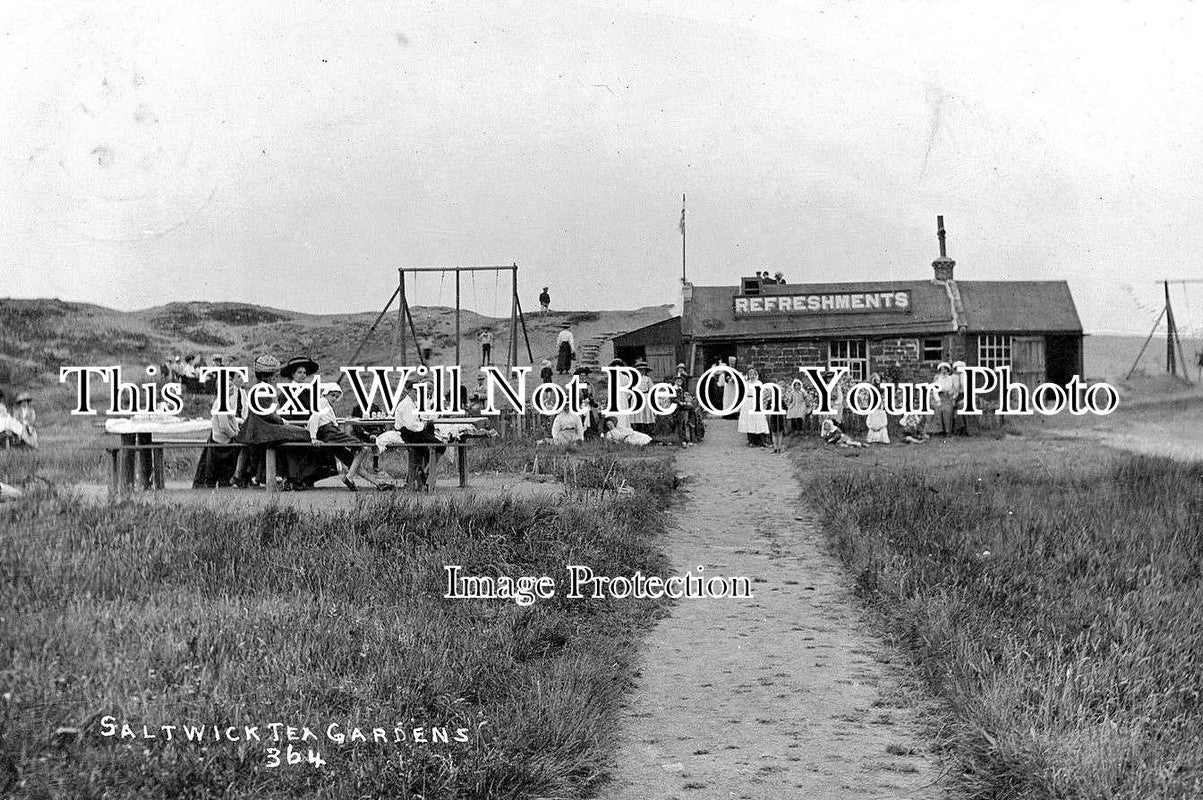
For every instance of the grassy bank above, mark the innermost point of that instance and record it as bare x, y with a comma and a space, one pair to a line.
1054, 603
182, 616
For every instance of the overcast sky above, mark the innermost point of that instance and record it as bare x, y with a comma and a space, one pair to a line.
295, 153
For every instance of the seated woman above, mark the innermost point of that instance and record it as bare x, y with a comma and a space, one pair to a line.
218, 466
261, 430
303, 468
323, 427
615, 432
567, 428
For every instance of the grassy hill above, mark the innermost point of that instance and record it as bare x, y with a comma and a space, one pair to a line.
39, 336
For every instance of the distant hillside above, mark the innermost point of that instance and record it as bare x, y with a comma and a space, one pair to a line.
39, 336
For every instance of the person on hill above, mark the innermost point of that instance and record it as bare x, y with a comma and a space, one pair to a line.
426, 347
545, 371
544, 301
565, 350
751, 422
485, 337
323, 427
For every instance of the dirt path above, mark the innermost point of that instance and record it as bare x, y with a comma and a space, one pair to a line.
787, 695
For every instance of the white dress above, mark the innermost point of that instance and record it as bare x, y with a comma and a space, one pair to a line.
646, 416
752, 421
877, 422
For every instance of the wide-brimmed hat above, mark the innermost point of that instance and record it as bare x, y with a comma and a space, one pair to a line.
618, 362
958, 365
23, 397
582, 370
330, 388
642, 365
296, 363
546, 362
943, 365
266, 363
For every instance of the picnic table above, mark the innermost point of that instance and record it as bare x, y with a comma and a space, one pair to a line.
136, 461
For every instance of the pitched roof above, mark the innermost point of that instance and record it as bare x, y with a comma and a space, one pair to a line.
710, 314
1019, 306
662, 331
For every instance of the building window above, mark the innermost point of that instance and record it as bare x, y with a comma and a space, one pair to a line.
933, 349
994, 350
852, 354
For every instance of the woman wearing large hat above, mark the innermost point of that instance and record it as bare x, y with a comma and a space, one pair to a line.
300, 469
301, 369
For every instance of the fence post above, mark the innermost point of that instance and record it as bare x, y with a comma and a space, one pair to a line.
269, 457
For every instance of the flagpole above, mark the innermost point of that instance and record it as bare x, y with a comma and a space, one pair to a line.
683, 237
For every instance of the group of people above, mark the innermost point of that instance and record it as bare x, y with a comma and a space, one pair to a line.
344, 455
801, 410
18, 427
186, 371
626, 425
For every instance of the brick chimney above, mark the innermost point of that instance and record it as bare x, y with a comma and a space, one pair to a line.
942, 265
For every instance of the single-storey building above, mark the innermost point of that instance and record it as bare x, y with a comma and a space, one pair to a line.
900, 329
659, 344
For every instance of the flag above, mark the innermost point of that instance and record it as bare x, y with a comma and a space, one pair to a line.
682, 225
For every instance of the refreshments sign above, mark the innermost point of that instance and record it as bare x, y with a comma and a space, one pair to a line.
888, 301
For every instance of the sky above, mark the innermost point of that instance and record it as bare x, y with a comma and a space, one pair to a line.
296, 154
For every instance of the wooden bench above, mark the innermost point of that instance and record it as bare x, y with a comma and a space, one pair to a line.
145, 470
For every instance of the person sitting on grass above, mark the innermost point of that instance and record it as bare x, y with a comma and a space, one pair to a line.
619, 433
323, 427
832, 433
914, 428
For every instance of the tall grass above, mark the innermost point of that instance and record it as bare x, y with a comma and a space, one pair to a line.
170, 615
1058, 614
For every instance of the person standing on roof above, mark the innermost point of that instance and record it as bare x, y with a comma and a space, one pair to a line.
544, 301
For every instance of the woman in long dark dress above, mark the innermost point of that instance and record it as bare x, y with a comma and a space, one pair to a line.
303, 468
261, 430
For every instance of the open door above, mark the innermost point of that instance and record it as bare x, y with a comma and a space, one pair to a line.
1027, 360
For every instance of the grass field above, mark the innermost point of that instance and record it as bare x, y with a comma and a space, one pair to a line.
173, 616
1050, 594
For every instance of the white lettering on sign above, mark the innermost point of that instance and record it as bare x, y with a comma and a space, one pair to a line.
895, 301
